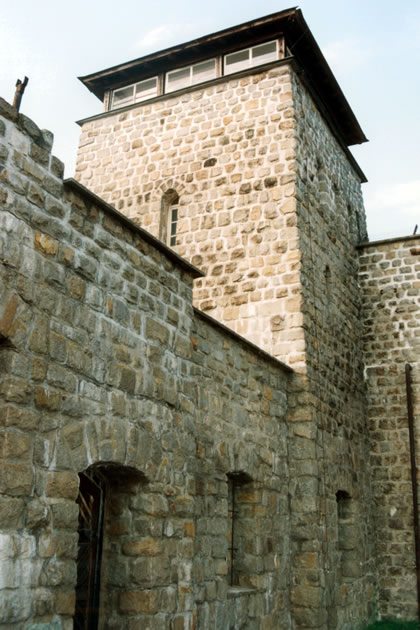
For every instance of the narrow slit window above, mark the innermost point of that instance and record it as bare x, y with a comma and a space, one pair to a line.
235, 526
348, 536
172, 224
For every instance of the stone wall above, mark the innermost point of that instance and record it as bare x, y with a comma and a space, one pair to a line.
330, 395
272, 210
390, 282
228, 152
106, 366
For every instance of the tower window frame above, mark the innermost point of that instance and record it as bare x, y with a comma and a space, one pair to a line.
199, 72
245, 58
135, 93
191, 75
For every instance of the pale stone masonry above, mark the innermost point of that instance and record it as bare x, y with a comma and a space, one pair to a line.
227, 151
219, 426
390, 283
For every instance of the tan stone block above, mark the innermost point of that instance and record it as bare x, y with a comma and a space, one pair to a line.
9, 312
11, 513
62, 485
301, 414
13, 444
306, 596
294, 304
46, 545
246, 495
65, 602
38, 341
231, 313
15, 389
47, 399
221, 567
182, 506
139, 602
73, 434
45, 244
39, 369
144, 547
288, 206
21, 418
306, 560
180, 623
76, 287
156, 331
67, 254
270, 309
15, 479
189, 529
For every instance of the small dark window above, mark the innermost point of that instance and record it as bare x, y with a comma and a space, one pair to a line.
235, 481
343, 505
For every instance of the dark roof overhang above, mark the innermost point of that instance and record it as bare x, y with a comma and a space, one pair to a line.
299, 39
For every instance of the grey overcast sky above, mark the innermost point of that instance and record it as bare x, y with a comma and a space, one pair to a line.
372, 46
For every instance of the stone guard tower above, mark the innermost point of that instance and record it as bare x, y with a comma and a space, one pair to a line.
233, 149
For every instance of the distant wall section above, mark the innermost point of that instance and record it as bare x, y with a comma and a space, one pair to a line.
390, 282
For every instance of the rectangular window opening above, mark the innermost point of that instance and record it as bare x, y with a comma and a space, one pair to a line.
146, 89
250, 57
235, 525
191, 75
172, 225
177, 79
134, 93
204, 71
123, 97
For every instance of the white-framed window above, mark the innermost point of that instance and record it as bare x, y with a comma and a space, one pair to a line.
250, 57
172, 223
169, 217
190, 75
194, 74
134, 93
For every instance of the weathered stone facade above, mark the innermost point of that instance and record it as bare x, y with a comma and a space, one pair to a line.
390, 282
228, 152
104, 361
237, 492
271, 210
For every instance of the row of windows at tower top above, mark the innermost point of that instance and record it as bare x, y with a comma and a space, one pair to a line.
197, 73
